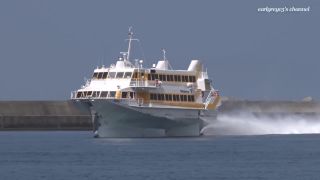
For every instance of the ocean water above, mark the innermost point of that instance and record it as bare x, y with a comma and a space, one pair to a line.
75, 155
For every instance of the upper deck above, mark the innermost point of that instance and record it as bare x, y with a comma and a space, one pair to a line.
160, 84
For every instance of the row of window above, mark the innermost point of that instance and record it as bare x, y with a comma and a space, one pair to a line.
157, 97
172, 97
103, 94
170, 77
152, 76
111, 75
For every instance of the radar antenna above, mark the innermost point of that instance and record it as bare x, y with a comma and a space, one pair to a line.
130, 34
165, 58
164, 54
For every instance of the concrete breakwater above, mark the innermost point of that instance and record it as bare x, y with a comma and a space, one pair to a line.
69, 115
44, 115
311, 108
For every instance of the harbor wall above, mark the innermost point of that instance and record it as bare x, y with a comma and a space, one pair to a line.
70, 115
44, 115
311, 108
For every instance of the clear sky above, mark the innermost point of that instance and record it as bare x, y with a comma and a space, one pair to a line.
48, 47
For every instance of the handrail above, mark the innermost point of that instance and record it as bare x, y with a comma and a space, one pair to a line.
210, 98
142, 83
135, 102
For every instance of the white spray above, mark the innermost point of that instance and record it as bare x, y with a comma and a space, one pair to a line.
251, 124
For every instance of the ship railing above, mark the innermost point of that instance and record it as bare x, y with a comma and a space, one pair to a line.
82, 96
129, 101
211, 97
143, 84
135, 102
92, 96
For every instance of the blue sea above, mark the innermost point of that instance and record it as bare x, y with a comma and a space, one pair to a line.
75, 155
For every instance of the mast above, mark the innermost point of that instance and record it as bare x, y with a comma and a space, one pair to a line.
166, 62
164, 54
130, 34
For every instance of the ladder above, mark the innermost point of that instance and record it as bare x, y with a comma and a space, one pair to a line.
210, 98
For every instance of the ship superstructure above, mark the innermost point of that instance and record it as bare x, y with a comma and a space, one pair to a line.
129, 100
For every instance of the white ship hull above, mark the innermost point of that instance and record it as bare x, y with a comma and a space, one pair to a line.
130, 100
118, 119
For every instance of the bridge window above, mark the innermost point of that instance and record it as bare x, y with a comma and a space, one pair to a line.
95, 75
78, 94
100, 75
104, 94
127, 74
119, 75
112, 74
104, 75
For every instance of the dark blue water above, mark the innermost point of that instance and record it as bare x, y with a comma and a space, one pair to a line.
76, 156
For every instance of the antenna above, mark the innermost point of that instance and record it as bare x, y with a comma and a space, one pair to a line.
164, 54
130, 34
168, 65
126, 55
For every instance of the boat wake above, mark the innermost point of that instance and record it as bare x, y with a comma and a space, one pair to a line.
251, 124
